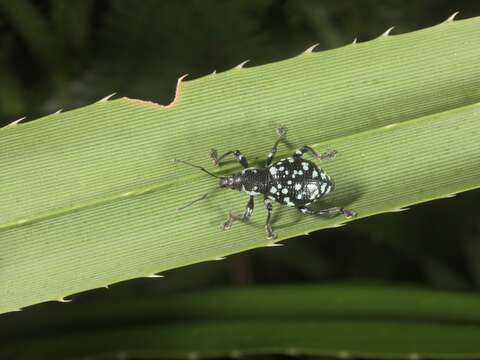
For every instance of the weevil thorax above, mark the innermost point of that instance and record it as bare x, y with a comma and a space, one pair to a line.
253, 181
297, 182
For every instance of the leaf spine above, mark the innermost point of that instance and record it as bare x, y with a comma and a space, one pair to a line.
311, 48
451, 18
13, 123
106, 98
242, 64
389, 30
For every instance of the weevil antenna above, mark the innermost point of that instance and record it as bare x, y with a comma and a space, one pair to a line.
204, 196
196, 166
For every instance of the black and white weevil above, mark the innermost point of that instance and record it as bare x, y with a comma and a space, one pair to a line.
292, 181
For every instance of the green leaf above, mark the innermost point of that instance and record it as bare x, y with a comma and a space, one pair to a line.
337, 320
89, 196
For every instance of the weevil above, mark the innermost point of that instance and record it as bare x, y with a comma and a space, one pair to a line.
292, 181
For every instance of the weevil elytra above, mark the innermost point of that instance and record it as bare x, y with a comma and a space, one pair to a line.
292, 181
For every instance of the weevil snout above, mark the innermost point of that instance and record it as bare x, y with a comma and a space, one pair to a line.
231, 182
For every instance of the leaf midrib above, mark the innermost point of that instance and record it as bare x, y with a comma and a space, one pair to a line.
228, 168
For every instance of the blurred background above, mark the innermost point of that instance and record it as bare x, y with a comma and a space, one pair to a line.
57, 54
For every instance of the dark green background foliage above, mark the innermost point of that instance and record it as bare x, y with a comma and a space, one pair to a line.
64, 54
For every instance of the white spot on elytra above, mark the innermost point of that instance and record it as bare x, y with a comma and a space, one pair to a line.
284, 191
312, 187
300, 172
273, 170
281, 168
286, 172
289, 182
323, 176
273, 190
279, 186
286, 200
314, 174
298, 186
299, 196
322, 187
291, 160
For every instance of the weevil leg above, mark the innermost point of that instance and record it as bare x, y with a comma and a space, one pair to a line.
213, 155
327, 155
248, 209
268, 225
227, 224
329, 212
281, 134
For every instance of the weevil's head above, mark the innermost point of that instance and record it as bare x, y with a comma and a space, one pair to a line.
230, 181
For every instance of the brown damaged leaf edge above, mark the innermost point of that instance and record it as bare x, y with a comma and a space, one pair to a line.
154, 104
